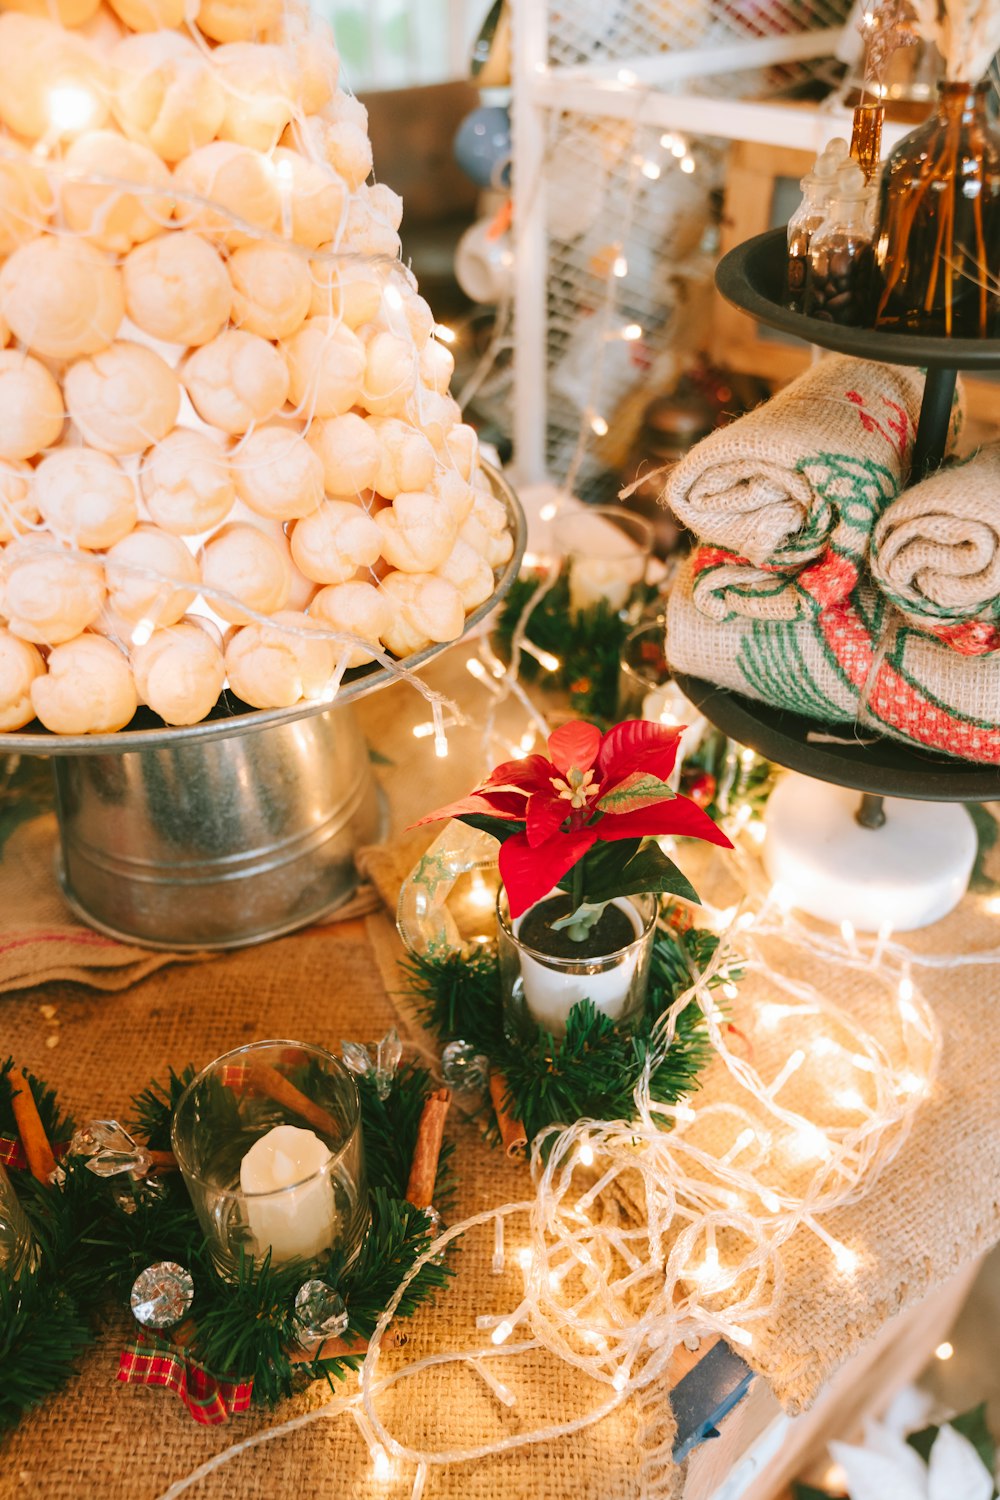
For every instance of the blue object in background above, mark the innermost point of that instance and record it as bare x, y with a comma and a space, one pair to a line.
483, 148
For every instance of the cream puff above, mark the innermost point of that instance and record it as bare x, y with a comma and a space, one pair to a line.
236, 380
417, 532
180, 671
260, 88
25, 199
226, 192
342, 143
470, 573
152, 579
111, 217
186, 483
313, 198
326, 368
346, 290
177, 289
237, 20
47, 593
354, 609
424, 608
166, 95
61, 297
335, 541
88, 688
31, 407
241, 565
277, 473
276, 665
53, 82
122, 399
272, 290
20, 664
390, 374
406, 458
85, 498
349, 450
66, 12
154, 15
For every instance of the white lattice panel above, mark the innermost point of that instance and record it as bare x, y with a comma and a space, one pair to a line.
614, 195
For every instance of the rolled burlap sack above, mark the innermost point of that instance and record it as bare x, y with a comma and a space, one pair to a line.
852, 663
936, 554
762, 488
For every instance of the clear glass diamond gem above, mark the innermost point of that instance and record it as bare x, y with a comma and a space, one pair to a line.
320, 1313
463, 1068
109, 1149
357, 1058
162, 1294
389, 1055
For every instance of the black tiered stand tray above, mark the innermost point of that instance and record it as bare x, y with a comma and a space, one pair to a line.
751, 277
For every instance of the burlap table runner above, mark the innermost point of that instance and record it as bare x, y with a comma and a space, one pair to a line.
936, 553
852, 661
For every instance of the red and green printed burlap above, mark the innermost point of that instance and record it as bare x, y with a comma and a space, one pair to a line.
936, 554
787, 497
854, 661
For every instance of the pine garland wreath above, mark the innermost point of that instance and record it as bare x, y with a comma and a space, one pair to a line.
93, 1237
592, 1071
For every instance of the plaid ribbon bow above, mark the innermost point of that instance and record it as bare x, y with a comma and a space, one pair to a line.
211, 1401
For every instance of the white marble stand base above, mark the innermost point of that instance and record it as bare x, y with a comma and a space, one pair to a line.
909, 873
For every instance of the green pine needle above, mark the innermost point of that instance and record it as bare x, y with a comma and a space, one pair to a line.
592, 1071
58, 1127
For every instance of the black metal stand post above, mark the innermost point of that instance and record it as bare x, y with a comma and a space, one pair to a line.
932, 429
871, 811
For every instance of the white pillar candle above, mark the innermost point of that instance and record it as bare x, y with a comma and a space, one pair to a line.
551, 993
289, 1201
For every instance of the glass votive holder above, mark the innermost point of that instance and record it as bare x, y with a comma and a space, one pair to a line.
268, 1138
540, 989
16, 1240
605, 552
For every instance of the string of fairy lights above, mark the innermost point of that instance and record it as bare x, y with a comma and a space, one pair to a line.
637, 1238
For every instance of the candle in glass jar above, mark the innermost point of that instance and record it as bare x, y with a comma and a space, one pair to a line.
289, 1202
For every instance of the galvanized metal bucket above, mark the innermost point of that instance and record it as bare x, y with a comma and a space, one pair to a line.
217, 843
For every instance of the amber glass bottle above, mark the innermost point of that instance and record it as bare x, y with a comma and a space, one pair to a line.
938, 240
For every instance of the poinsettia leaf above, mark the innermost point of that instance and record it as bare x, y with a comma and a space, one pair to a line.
639, 789
529, 874
491, 804
604, 864
973, 1425
533, 773
802, 1491
680, 816
500, 828
574, 744
877, 1476
648, 870
637, 745
546, 814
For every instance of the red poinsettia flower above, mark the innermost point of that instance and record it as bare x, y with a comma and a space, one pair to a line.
592, 788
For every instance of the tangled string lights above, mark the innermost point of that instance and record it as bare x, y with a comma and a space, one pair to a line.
638, 1237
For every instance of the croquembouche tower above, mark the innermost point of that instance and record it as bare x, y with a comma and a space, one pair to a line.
230, 467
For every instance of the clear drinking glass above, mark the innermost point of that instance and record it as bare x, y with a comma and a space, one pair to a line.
539, 990
16, 1243
236, 1102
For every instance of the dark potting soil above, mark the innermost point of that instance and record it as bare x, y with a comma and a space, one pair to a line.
612, 931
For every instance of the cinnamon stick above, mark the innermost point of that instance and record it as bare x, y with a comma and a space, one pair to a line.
512, 1132
427, 1151
35, 1142
161, 1161
277, 1087
394, 1338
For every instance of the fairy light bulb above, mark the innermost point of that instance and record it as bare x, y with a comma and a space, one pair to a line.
381, 1466
620, 267
678, 147
599, 426
524, 1258
393, 297
548, 512
586, 1154
444, 333
687, 165
502, 1332
142, 632
72, 108
651, 170
809, 1141
944, 1351
631, 332
621, 1380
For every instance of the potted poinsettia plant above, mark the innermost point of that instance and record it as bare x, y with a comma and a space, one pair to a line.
581, 866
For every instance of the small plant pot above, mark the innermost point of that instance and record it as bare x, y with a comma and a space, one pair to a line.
540, 988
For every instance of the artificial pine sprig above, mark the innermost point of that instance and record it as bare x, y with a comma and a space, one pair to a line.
94, 1236
592, 1071
58, 1127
